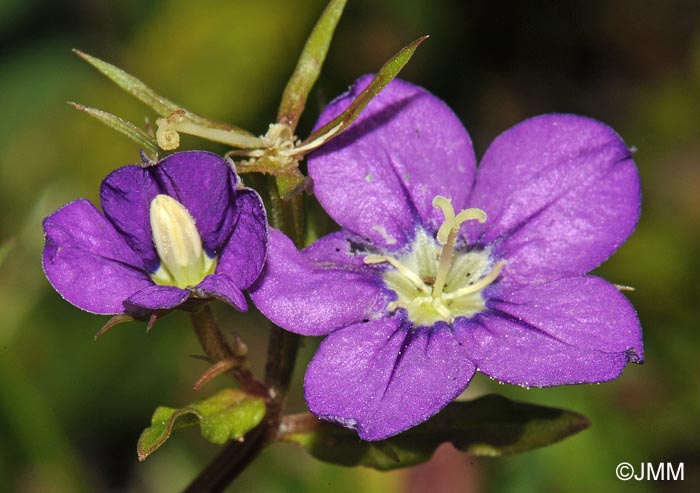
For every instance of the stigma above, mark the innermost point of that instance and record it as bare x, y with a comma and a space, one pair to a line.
183, 262
439, 278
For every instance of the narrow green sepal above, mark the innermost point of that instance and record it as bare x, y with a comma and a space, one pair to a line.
228, 415
145, 141
386, 74
309, 65
489, 426
163, 106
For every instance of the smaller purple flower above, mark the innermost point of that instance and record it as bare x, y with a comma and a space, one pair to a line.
181, 229
442, 268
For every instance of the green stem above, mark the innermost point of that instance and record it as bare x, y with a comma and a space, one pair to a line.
230, 462
287, 216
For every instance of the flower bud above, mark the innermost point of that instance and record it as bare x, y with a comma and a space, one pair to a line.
179, 246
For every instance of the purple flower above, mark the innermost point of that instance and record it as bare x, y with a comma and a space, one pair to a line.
441, 269
177, 230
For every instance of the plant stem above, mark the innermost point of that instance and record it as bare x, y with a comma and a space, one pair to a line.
298, 423
283, 345
217, 349
229, 463
286, 215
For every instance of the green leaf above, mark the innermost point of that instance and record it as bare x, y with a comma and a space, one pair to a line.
228, 415
309, 65
150, 98
489, 426
385, 75
147, 143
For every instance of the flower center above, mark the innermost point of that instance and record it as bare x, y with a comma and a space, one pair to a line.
183, 262
435, 281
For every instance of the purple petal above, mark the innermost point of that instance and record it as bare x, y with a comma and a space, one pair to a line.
342, 249
222, 288
157, 298
510, 351
584, 312
382, 377
205, 185
313, 298
561, 192
201, 181
405, 148
126, 196
243, 257
88, 262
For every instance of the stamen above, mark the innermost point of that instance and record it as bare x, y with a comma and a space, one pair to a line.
405, 271
447, 236
479, 285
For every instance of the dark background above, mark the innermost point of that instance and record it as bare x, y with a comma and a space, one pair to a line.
71, 409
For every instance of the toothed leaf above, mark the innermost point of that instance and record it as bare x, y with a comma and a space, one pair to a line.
228, 415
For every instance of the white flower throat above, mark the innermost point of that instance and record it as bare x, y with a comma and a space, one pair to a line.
183, 262
433, 281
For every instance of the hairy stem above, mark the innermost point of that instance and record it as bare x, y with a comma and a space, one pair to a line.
217, 349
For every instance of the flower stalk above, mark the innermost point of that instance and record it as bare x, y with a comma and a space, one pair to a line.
217, 349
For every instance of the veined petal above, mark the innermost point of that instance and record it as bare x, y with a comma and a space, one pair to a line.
313, 298
382, 377
380, 176
205, 184
341, 249
125, 196
201, 181
243, 256
586, 312
88, 262
561, 193
511, 351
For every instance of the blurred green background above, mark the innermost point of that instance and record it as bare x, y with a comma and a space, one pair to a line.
71, 409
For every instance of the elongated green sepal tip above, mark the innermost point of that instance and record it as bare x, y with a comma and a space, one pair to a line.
308, 67
145, 141
384, 76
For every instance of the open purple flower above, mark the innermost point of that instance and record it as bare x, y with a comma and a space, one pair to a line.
177, 230
442, 269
